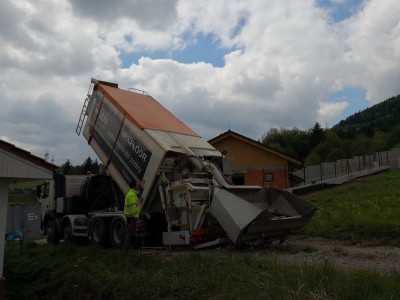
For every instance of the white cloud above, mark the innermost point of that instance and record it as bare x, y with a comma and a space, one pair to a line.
330, 112
149, 14
286, 58
373, 40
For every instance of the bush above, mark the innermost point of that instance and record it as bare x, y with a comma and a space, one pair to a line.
312, 159
336, 154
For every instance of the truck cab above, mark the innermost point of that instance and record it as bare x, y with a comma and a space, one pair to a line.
72, 206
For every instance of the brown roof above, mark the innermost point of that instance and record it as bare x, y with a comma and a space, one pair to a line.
144, 111
27, 155
256, 143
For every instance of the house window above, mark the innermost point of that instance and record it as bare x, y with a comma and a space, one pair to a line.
238, 179
268, 177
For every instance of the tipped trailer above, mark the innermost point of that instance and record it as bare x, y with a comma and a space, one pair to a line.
184, 198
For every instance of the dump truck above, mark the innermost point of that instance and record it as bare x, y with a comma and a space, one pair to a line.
184, 197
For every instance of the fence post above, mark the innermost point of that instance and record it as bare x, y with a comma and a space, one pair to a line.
348, 168
320, 169
334, 163
341, 161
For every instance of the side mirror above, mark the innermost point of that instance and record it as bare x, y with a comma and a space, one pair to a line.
42, 190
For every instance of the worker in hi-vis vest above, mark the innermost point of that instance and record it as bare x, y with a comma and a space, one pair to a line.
131, 211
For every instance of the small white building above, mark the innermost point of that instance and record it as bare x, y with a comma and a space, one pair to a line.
16, 165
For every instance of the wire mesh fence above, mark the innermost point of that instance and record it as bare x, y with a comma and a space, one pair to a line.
349, 166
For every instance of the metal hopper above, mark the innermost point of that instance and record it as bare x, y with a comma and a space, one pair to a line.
248, 213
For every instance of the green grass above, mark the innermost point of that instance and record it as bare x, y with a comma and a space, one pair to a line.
23, 192
22, 198
71, 272
366, 211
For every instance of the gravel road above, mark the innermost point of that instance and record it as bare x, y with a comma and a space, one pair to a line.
339, 253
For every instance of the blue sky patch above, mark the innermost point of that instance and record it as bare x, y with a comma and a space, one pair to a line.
238, 28
203, 48
355, 96
340, 11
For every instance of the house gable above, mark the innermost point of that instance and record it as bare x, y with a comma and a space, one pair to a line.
247, 154
255, 163
246, 151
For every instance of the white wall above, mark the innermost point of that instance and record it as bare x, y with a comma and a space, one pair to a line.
3, 215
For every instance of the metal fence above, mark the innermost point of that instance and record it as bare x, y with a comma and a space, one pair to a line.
26, 218
345, 167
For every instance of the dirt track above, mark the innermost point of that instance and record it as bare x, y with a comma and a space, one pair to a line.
338, 253
314, 251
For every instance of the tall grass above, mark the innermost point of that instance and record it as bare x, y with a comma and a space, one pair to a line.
72, 272
364, 211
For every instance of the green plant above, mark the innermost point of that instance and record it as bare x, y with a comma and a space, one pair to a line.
365, 211
70, 272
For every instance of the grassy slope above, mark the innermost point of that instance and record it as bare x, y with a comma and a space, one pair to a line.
72, 272
364, 211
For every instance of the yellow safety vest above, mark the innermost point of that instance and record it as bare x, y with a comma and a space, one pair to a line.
131, 208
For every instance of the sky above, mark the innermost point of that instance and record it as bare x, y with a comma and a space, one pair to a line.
247, 66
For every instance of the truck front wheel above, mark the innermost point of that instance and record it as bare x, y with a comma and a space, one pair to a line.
98, 233
117, 233
51, 232
67, 231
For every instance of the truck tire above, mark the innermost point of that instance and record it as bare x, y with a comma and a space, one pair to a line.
51, 232
99, 233
67, 231
117, 233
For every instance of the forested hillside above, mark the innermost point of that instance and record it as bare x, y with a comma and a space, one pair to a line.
380, 117
374, 129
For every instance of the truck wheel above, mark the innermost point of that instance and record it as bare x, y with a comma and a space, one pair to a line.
67, 231
117, 233
98, 233
51, 232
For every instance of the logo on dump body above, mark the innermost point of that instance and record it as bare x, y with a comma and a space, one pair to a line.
104, 117
135, 148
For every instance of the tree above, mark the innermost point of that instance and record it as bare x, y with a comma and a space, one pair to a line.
394, 136
336, 154
273, 137
347, 146
361, 145
95, 166
293, 142
330, 142
312, 159
317, 135
67, 168
277, 146
380, 141
87, 166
